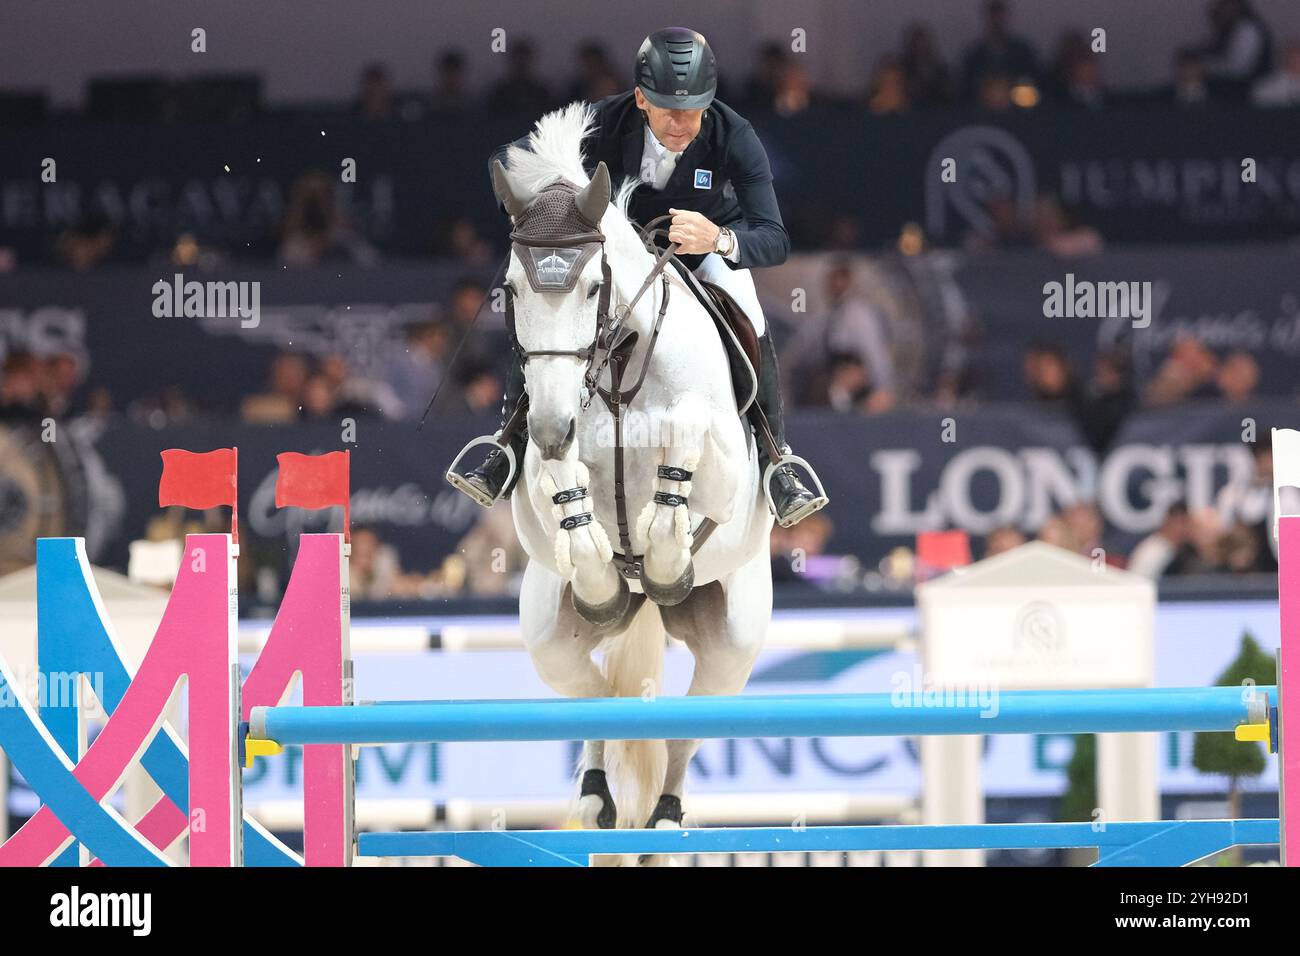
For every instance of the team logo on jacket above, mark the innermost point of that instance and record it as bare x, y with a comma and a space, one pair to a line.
703, 179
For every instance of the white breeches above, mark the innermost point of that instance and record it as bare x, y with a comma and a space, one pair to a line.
738, 284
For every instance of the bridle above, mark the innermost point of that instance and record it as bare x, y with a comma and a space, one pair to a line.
553, 263
553, 259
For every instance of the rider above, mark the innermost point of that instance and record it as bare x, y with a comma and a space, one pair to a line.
701, 162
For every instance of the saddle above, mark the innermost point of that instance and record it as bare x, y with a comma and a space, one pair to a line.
736, 331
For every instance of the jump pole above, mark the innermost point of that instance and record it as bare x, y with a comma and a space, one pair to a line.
1138, 710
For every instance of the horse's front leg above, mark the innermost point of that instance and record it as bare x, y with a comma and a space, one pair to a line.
583, 554
667, 573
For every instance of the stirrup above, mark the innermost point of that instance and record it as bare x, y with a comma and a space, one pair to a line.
818, 502
457, 481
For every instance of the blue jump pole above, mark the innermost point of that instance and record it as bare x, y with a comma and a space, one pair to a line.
845, 715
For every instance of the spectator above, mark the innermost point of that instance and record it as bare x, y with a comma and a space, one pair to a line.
1248, 503
1048, 373
1061, 233
1189, 89
1071, 45
993, 92
318, 400
314, 230
375, 100
1107, 400
596, 78
280, 403
1283, 87
998, 53
1169, 545
1086, 526
415, 371
760, 91
1237, 377
850, 328
1240, 49
20, 389
1056, 532
87, 244
375, 570
1001, 540
1098, 407
1243, 550
1188, 371
520, 90
489, 559
450, 94
61, 373
355, 395
926, 77
481, 389
887, 91
1083, 85
794, 92
458, 238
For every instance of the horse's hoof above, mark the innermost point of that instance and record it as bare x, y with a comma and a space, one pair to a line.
596, 787
607, 614
667, 815
668, 595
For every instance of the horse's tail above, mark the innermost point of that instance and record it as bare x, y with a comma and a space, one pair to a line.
633, 664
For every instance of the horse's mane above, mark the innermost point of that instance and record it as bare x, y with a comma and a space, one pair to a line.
555, 152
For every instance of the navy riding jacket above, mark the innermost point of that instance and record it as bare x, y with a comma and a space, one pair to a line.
723, 175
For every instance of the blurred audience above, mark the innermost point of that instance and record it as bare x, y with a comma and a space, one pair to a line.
1281, 88
1239, 50
843, 355
927, 79
314, 230
450, 93
375, 101
596, 78
520, 90
997, 53
887, 92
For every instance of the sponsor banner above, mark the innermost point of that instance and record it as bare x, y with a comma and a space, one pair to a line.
888, 477
1134, 174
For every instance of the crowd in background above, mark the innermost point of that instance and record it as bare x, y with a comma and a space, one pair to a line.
843, 355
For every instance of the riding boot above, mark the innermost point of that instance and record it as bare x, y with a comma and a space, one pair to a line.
791, 501
492, 479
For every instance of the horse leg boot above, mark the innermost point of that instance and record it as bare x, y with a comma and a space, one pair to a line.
791, 501
667, 572
583, 554
491, 479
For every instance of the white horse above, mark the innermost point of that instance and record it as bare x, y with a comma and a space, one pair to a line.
574, 600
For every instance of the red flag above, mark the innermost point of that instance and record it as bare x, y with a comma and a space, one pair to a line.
201, 480
940, 551
315, 481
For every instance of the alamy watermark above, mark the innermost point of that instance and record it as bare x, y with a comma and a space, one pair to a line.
208, 300
1085, 299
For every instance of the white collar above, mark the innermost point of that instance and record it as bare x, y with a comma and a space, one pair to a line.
653, 142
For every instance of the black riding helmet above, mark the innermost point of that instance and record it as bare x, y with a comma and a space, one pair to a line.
675, 69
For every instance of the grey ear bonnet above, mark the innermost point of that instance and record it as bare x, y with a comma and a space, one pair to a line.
557, 231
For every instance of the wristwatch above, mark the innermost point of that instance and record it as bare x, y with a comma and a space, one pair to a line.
725, 242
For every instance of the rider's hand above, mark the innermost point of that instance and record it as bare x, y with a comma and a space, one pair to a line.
690, 230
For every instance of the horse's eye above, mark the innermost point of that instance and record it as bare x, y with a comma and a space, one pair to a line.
591, 293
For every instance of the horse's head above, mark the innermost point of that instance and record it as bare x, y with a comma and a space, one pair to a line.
558, 283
